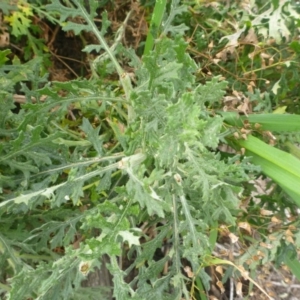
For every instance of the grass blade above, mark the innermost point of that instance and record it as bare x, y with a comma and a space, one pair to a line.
294, 266
156, 20
272, 122
282, 167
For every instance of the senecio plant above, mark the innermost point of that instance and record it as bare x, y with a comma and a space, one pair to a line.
138, 179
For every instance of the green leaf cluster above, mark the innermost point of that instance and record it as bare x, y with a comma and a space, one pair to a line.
136, 175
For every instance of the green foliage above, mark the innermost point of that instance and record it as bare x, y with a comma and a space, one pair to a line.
256, 52
19, 19
138, 175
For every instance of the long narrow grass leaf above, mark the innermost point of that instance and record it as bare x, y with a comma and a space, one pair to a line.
294, 266
156, 20
272, 122
282, 167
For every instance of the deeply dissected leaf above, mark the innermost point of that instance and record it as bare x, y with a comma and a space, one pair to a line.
63, 190
42, 285
20, 20
278, 19
153, 204
129, 237
175, 9
92, 135
57, 232
3, 56
71, 10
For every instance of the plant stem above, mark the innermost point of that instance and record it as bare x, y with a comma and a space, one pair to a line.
124, 77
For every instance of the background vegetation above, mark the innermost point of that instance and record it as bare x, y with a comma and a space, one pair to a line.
153, 143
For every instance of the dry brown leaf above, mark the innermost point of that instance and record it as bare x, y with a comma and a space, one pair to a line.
224, 252
227, 52
221, 286
189, 271
4, 39
216, 60
252, 55
275, 220
265, 245
245, 107
250, 86
257, 126
265, 212
261, 277
269, 135
261, 254
236, 135
287, 280
268, 284
219, 269
236, 94
238, 289
273, 238
246, 226
250, 89
286, 268
231, 99
272, 294
246, 131
290, 239
256, 258
250, 38
292, 227
233, 237
244, 273
264, 55
224, 230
